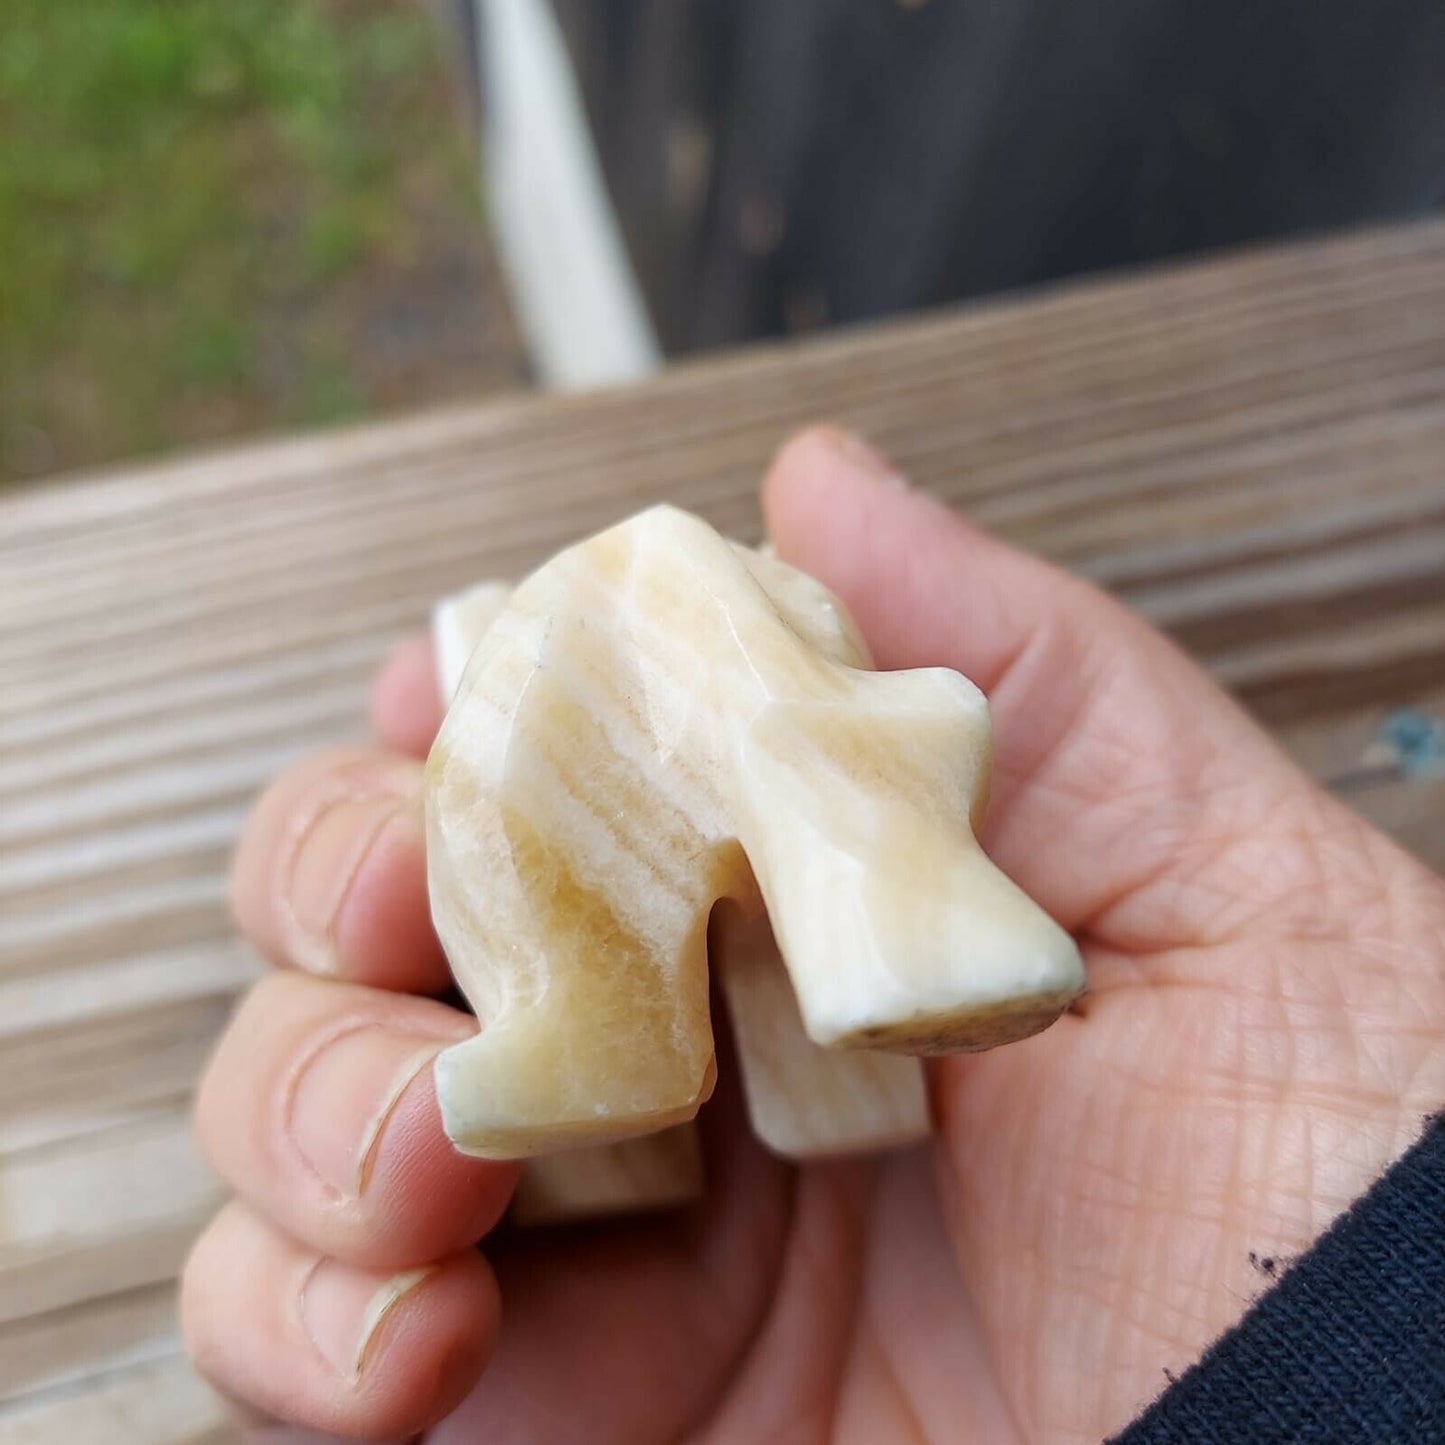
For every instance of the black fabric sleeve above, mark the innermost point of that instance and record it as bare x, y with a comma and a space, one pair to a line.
1348, 1348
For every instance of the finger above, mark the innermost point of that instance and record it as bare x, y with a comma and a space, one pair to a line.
330, 872
1118, 763
319, 1107
299, 1435
406, 706
326, 1345
652, 1315
256, 1427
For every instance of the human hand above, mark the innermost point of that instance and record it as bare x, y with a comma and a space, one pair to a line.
1262, 1035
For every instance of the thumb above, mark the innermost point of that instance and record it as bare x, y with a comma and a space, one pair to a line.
1119, 765
927, 587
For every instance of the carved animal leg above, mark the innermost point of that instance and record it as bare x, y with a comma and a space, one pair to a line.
635, 1176
806, 1102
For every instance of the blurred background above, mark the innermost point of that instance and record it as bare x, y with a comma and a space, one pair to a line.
220, 217
223, 217
229, 219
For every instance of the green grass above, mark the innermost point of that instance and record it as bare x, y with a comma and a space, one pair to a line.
198, 200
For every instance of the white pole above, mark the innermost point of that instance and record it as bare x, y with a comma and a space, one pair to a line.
577, 298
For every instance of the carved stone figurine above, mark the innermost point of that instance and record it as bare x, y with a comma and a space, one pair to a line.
658, 722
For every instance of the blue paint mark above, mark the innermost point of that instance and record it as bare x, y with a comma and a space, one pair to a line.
1416, 740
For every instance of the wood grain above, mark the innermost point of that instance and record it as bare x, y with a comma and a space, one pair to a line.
1252, 451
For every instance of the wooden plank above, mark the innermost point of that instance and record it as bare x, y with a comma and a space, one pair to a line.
102, 1213
1249, 451
158, 1403
43, 1354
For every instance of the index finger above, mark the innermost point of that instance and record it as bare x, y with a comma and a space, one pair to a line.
406, 704
329, 875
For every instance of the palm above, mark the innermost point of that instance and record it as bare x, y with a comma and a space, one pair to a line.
1082, 1225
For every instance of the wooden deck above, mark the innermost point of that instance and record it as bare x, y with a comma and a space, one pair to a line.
1252, 451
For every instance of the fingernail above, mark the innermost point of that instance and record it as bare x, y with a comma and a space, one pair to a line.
345, 1091
865, 460
343, 1309
320, 861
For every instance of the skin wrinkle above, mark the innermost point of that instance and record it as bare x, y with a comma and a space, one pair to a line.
1342, 1026
298, 833
786, 1431
1090, 697
301, 1274
857, 1231
1034, 1364
951, 1205
853, 1231
724, 1269
1015, 675
349, 785
702, 1431
1217, 854
894, 1382
697, 1431
1190, 1307
994, 678
376, 1127
1030, 1284
1196, 884
1156, 862
290, 1086
1233, 1192
721, 1265
383, 1306
1145, 1332
1201, 843
1416, 899
1113, 1297
1122, 1195
337, 1030
1276, 866
1234, 1217
388, 1295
